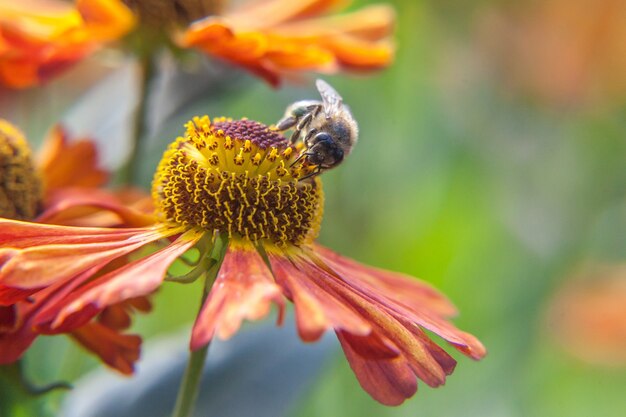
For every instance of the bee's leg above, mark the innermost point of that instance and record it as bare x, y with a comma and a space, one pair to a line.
308, 136
286, 123
314, 109
302, 123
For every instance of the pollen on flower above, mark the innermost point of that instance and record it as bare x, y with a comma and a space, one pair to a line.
236, 177
21, 189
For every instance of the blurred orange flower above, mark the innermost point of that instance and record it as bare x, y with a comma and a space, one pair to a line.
588, 317
40, 38
274, 38
62, 189
271, 38
562, 51
230, 189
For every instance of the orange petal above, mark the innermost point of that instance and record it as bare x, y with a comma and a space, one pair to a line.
9, 296
118, 350
290, 55
371, 23
38, 41
389, 381
244, 290
135, 279
358, 54
350, 276
268, 13
317, 307
17, 234
106, 20
14, 343
390, 325
65, 164
73, 206
401, 288
40, 266
215, 36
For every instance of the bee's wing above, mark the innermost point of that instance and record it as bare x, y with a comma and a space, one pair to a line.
331, 99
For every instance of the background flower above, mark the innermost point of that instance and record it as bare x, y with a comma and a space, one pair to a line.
40, 38
62, 188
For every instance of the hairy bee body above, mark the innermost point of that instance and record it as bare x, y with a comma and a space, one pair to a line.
327, 128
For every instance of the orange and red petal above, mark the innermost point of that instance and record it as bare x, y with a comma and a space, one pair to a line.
404, 289
40, 39
431, 313
91, 207
389, 381
120, 351
56, 257
318, 307
66, 163
17, 234
135, 279
287, 41
269, 13
118, 316
392, 349
243, 290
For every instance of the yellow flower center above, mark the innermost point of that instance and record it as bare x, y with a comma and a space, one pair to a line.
21, 189
236, 177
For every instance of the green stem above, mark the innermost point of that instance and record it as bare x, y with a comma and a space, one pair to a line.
190, 384
146, 67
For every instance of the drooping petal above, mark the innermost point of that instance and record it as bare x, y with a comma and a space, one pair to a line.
428, 309
392, 285
389, 381
243, 290
14, 343
424, 365
118, 316
118, 350
318, 308
136, 279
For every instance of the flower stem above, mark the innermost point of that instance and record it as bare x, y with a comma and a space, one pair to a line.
128, 173
190, 384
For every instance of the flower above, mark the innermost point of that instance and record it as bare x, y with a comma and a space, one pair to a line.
61, 189
232, 183
274, 38
41, 38
561, 51
271, 38
587, 316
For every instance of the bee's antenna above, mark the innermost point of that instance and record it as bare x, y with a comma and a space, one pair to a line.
302, 155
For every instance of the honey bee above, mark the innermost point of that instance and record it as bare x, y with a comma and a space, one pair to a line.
327, 128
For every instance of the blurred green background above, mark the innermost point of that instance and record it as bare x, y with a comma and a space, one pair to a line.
491, 189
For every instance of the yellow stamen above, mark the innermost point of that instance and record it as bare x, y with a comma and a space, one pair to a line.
235, 177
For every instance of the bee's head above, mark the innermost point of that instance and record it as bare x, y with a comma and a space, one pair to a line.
324, 151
